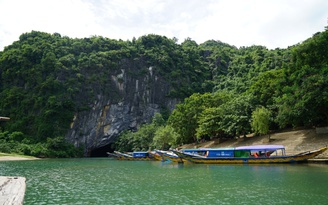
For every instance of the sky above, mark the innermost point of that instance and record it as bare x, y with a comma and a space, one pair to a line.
270, 23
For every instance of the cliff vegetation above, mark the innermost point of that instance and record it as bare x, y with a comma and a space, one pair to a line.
54, 87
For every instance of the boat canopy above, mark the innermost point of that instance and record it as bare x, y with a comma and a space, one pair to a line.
140, 154
220, 153
242, 151
261, 147
207, 149
251, 147
212, 152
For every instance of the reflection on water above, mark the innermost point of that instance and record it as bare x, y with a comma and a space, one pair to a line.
103, 181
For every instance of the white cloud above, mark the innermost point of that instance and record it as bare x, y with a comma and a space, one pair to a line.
72, 18
272, 23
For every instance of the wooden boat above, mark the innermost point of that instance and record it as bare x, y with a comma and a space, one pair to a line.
112, 155
170, 156
156, 156
133, 156
257, 154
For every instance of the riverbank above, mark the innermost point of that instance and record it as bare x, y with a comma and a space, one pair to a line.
295, 141
12, 157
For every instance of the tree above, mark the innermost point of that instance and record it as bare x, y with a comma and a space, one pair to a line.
209, 123
125, 142
303, 102
236, 116
165, 137
261, 120
184, 118
158, 120
142, 139
267, 86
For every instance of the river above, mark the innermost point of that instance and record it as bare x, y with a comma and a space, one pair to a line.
104, 181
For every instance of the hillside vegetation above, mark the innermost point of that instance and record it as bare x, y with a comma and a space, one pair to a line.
224, 91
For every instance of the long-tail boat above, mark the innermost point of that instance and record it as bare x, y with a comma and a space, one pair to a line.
258, 154
133, 156
112, 155
170, 156
157, 156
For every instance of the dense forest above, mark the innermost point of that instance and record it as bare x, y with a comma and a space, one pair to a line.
225, 91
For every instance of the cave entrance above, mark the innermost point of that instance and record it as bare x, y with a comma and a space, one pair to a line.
102, 151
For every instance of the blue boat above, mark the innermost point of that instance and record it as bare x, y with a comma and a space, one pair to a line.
169, 156
256, 154
142, 155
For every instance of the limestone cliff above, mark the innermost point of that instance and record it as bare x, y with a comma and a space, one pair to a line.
90, 90
132, 101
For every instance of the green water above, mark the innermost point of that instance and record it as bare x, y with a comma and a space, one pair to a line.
105, 181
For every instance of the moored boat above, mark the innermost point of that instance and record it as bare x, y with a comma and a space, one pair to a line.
257, 154
170, 156
112, 155
156, 155
133, 156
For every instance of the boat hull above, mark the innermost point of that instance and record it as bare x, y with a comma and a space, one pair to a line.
167, 156
124, 156
299, 158
174, 159
156, 156
135, 159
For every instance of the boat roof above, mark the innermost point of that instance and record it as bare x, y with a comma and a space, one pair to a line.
260, 147
209, 149
122, 154
251, 147
218, 148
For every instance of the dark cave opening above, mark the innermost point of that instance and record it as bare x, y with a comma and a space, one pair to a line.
102, 151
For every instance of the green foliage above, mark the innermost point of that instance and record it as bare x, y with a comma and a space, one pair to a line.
237, 115
16, 136
261, 120
58, 147
303, 99
267, 87
209, 123
158, 120
17, 142
304, 102
165, 138
184, 119
312, 52
45, 78
142, 140
258, 76
212, 115
125, 142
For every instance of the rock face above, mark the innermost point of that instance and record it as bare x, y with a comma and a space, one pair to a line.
137, 99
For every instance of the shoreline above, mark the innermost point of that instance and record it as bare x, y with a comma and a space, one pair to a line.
321, 160
295, 141
16, 158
